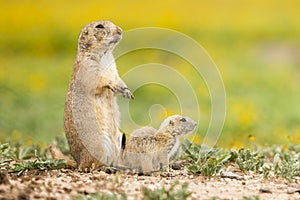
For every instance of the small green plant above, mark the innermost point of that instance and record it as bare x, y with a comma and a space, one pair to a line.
32, 151
208, 163
41, 164
17, 151
6, 155
287, 163
247, 160
18, 159
251, 198
167, 194
100, 196
7, 152
62, 143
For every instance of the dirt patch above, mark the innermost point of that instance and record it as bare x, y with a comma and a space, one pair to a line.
67, 184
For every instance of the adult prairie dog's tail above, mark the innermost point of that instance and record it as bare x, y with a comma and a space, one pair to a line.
57, 155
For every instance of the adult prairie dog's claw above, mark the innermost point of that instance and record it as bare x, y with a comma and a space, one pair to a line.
127, 94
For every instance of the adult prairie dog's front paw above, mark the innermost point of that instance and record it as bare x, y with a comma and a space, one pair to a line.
127, 93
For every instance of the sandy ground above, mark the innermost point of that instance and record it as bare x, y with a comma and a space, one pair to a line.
67, 184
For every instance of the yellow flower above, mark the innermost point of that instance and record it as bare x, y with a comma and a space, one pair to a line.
236, 145
29, 142
16, 135
251, 138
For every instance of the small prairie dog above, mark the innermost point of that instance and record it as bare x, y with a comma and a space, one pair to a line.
91, 117
149, 149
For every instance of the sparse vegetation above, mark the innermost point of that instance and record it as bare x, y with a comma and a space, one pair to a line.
280, 162
17, 158
99, 196
283, 163
167, 193
248, 160
207, 163
251, 198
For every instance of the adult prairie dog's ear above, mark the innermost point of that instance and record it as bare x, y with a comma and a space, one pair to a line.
123, 143
171, 123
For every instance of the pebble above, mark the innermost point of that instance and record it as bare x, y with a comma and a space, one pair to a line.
231, 175
293, 190
265, 190
176, 166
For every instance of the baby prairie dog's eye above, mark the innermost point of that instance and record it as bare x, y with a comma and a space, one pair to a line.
100, 26
182, 119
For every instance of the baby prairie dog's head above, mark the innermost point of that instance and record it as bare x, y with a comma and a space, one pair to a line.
99, 36
177, 125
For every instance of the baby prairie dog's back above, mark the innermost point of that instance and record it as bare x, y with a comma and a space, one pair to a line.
150, 149
143, 132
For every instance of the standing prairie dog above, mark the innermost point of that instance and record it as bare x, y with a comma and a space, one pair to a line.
148, 149
91, 117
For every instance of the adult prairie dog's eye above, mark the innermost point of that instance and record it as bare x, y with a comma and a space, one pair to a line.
99, 26
182, 119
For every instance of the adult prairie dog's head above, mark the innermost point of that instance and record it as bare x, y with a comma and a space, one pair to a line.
178, 125
99, 36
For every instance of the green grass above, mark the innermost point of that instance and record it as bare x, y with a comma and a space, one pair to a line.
165, 193
100, 196
281, 162
18, 158
261, 101
256, 54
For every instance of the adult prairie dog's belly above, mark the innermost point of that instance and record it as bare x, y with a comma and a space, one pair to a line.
107, 111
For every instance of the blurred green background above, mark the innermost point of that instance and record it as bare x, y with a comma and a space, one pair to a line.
255, 44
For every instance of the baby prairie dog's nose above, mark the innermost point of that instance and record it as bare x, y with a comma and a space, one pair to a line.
118, 30
195, 124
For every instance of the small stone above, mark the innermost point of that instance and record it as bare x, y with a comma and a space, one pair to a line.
23, 196
265, 190
184, 172
231, 175
176, 166
3, 178
166, 174
293, 190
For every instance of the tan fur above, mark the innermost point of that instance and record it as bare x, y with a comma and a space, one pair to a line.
91, 117
149, 150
